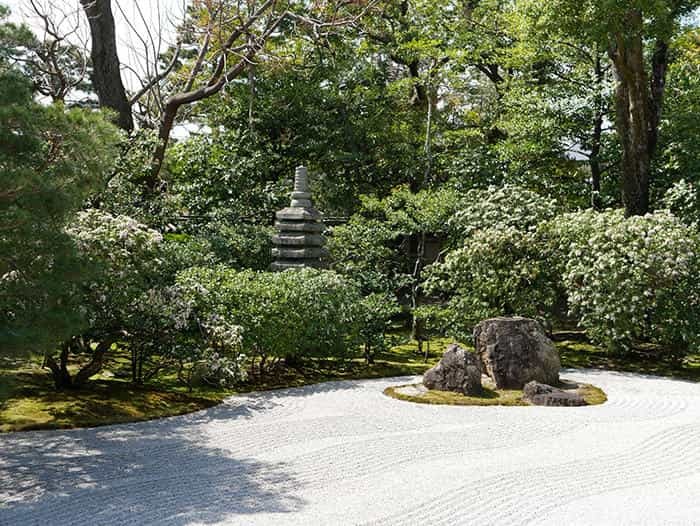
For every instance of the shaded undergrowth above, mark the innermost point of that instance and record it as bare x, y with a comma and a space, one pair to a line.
28, 399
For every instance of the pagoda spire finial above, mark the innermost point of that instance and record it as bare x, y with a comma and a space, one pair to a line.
301, 179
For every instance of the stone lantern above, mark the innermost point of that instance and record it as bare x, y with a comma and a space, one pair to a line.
299, 240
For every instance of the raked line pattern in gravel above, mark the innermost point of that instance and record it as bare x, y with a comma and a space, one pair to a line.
343, 453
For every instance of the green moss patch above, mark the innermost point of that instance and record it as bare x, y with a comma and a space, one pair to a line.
490, 396
38, 406
652, 360
28, 399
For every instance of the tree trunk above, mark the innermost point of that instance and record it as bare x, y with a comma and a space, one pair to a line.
167, 122
59, 371
417, 324
106, 76
659, 66
594, 159
95, 364
633, 116
369, 357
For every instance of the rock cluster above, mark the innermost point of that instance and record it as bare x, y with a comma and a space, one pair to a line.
299, 240
541, 394
515, 351
459, 370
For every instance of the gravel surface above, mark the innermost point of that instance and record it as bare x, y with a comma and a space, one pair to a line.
343, 453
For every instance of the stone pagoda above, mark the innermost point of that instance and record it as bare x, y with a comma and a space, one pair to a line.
299, 240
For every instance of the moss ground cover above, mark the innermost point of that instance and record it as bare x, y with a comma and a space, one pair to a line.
28, 399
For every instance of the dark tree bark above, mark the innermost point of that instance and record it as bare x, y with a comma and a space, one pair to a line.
95, 364
62, 377
59, 371
638, 102
106, 76
659, 66
633, 116
596, 137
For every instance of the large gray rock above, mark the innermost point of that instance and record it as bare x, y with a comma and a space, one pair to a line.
458, 370
541, 394
515, 351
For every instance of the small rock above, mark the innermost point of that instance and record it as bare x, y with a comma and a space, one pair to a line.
516, 350
458, 370
542, 394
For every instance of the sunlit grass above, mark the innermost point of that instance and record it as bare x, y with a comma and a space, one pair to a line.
28, 399
489, 397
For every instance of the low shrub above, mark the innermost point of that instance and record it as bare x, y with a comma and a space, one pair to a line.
682, 200
499, 208
295, 313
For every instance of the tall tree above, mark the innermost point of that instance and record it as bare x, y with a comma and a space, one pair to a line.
636, 34
50, 159
558, 106
106, 74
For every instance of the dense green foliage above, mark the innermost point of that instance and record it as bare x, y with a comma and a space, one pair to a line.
286, 314
500, 264
380, 246
635, 280
627, 281
51, 159
470, 160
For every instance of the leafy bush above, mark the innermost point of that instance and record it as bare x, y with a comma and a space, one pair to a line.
375, 315
379, 247
220, 362
130, 297
635, 280
682, 200
502, 263
497, 272
499, 208
240, 245
126, 295
226, 174
304, 312
364, 250
124, 255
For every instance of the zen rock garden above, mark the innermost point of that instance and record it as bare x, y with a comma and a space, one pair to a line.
511, 353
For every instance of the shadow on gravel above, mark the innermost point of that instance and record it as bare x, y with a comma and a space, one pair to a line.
157, 472
148, 473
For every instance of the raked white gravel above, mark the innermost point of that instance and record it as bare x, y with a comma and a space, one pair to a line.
343, 453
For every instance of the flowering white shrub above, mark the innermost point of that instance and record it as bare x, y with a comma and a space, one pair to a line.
635, 279
223, 361
501, 207
501, 264
121, 258
682, 200
128, 294
497, 272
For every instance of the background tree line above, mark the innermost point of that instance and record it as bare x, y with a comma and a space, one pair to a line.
418, 119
